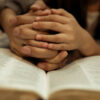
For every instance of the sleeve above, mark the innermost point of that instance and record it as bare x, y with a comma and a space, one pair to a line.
20, 6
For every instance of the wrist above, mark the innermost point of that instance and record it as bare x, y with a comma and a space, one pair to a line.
6, 15
89, 46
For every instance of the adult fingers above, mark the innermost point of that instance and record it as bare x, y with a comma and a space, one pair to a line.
20, 41
18, 29
25, 19
54, 26
16, 48
38, 52
59, 58
26, 33
49, 67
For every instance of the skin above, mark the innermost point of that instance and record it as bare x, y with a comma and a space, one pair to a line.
20, 26
71, 35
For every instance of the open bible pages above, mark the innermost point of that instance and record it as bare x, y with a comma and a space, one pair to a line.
16, 73
83, 74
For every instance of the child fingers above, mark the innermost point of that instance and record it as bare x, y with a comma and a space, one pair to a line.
37, 43
54, 26
58, 38
54, 18
59, 58
61, 12
59, 47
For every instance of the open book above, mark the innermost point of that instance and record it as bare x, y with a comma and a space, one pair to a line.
21, 80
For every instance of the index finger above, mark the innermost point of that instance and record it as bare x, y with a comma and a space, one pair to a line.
58, 38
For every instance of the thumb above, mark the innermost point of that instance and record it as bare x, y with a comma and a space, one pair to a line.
39, 5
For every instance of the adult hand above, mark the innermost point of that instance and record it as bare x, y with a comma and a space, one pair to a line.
18, 43
57, 62
27, 35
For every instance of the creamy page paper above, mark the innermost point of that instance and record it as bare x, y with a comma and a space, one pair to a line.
82, 74
15, 73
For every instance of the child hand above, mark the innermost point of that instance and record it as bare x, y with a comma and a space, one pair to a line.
71, 35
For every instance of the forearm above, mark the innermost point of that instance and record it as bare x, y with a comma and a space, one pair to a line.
90, 47
5, 16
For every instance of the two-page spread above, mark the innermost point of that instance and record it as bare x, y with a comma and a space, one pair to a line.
21, 79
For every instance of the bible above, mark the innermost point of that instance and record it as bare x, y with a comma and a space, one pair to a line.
22, 80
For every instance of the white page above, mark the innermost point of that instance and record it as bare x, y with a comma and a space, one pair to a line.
92, 68
18, 74
74, 76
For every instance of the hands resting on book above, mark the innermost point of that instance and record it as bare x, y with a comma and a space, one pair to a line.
29, 36
22, 39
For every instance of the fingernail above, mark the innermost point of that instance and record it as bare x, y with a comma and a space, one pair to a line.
35, 24
38, 37
16, 32
26, 51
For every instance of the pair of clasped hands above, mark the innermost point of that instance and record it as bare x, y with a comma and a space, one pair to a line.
29, 35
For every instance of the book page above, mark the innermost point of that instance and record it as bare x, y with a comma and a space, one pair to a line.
92, 69
19, 74
81, 74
